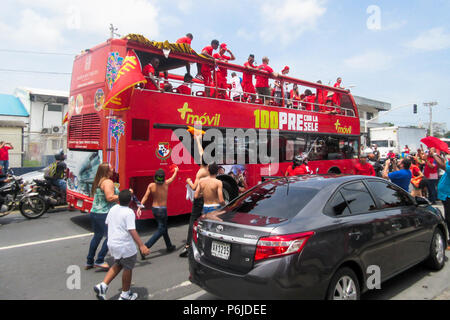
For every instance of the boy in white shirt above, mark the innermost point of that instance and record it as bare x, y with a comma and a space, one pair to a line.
122, 237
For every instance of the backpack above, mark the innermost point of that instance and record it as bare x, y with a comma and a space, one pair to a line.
50, 171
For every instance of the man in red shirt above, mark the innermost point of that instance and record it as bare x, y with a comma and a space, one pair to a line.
321, 95
4, 155
222, 73
149, 73
310, 98
262, 82
206, 69
188, 40
363, 168
185, 87
337, 96
247, 78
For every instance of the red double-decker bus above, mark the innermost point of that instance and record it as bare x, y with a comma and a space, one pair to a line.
144, 138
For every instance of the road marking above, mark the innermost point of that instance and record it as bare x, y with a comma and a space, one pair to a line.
183, 284
46, 241
194, 296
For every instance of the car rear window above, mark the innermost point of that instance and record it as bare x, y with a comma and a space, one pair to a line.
277, 200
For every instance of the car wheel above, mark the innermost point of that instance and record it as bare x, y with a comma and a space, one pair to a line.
344, 286
436, 260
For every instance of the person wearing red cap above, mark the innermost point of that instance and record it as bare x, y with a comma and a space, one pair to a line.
247, 78
222, 73
206, 69
337, 96
262, 82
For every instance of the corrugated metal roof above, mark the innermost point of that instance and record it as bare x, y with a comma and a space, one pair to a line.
12, 106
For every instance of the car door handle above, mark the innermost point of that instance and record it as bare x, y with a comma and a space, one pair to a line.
397, 226
356, 234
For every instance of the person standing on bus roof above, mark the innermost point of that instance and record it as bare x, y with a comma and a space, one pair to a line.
310, 98
236, 88
149, 73
247, 78
223, 72
188, 40
206, 69
321, 96
159, 191
262, 82
337, 96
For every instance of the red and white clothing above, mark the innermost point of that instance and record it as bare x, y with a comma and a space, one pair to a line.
364, 169
206, 69
262, 81
337, 96
236, 88
222, 73
431, 173
247, 79
302, 169
147, 71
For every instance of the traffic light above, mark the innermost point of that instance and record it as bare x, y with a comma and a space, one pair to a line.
415, 108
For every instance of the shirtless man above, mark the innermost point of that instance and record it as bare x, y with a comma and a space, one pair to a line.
159, 190
197, 205
211, 190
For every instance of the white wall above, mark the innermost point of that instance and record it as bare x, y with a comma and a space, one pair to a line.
42, 118
14, 136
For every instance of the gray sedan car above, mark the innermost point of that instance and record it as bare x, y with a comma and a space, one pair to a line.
314, 237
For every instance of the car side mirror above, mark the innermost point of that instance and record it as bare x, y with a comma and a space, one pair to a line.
421, 200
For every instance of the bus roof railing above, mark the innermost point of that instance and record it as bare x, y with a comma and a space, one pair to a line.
131, 44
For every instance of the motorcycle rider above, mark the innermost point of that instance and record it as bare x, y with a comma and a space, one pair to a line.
299, 166
56, 172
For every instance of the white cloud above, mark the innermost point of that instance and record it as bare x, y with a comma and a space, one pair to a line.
370, 62
287, 20
431, 40
394, 25
88, 17
33, 31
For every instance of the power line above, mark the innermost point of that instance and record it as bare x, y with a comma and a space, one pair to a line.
37, 52
32, 71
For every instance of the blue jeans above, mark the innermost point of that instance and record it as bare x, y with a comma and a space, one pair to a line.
100, 231
60, 183
208, 209
432, 189
160, 215
5, 166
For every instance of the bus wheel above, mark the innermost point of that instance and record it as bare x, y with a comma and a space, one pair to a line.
229, 193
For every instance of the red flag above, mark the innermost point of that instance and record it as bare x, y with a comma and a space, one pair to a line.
129, 75
66, 118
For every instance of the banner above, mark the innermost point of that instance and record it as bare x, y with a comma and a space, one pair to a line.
129, 75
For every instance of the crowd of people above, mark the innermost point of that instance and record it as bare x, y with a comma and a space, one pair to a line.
113, 219
244, 89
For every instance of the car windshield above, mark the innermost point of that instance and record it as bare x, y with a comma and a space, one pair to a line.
277, 200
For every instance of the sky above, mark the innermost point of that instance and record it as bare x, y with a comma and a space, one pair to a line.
393, 51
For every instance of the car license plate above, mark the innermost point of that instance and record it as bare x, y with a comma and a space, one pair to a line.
220, 250
80, 203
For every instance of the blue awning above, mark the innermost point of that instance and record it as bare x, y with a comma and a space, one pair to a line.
12, 106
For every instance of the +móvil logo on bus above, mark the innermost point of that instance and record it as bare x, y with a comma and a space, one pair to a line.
340, 129
187, 114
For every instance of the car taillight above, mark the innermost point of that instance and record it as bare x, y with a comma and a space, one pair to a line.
194, 231
282, 245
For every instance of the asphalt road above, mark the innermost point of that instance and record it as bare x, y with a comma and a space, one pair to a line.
36, 255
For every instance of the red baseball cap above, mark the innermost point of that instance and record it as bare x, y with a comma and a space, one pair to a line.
223, 46
285, 68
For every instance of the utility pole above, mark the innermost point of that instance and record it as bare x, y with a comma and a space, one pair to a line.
430, 105
113, 30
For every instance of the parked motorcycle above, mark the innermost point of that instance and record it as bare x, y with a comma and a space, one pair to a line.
51, 194
13, 197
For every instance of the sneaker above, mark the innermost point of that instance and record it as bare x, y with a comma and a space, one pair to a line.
184, 253
100, 292
104, 266
170, 249
132, 296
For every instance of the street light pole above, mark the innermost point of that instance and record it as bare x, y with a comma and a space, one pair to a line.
430, 105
